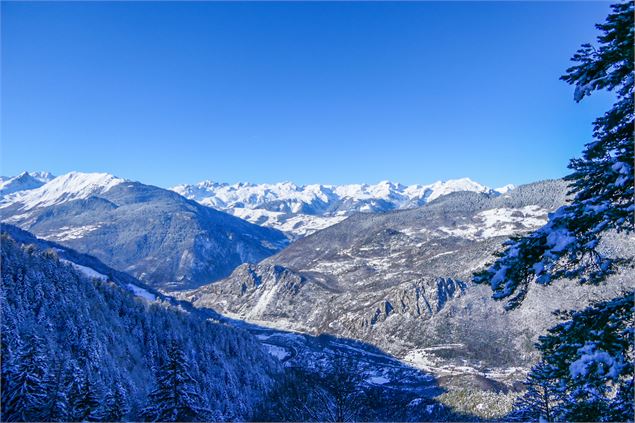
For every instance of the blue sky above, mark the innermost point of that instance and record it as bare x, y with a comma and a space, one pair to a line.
167, 93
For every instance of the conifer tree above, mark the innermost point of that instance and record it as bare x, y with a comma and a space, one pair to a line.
588, 358
116, 403
25, 392
56, 407
83, 398
602, 180
175, 396
538, 402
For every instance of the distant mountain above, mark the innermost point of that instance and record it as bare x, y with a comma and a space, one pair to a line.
402, 281
302, 209
24, 181
154, 234
83, 342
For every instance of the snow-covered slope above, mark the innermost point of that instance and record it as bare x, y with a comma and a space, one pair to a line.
23, 181
303, 209
92, 325
72, 186
402, 281
152, 233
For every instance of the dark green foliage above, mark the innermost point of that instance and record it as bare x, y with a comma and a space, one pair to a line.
587, 366
601, 182
586, 372
175, 396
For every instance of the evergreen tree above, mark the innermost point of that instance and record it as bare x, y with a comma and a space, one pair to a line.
588, 360
175, 396
56, 407
83, 398
538, 402
602, 180
24, 395
116, 403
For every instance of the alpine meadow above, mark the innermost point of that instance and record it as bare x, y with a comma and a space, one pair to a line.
144, 280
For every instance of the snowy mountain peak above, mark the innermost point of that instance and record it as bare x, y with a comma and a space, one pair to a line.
23, 181
302, 209
71, 186
505, 189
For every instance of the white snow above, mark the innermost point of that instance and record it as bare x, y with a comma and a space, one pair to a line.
304, 209
299, 224
72, 186
441, 254
505, 189
278, 352
378, 380
559, 239
264, 300
500, 222
140, 292
23, 181
67, 233
589, 355
87, 271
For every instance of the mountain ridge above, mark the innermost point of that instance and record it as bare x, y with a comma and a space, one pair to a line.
155, 234
302, 209
401, 281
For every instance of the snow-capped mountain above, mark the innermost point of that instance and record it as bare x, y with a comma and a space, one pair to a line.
23, 181
402, 281
72, 186
155, 234
303, 209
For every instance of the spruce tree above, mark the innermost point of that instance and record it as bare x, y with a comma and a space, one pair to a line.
588, 359
24, 395
116, 403
175, 396
539, 400
56, 407
601, 182
83, 398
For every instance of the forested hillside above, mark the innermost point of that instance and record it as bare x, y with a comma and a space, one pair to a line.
76, 348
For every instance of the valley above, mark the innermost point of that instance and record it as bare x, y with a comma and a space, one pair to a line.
386, 293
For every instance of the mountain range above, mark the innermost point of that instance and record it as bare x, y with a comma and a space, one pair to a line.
299, 210
386, 265
154, 234
401, 280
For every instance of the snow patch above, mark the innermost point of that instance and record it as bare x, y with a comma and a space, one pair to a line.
278, 352
143, 293
87, 271
67, 233
378, 380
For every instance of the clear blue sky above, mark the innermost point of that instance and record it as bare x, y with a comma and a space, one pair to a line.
167, 93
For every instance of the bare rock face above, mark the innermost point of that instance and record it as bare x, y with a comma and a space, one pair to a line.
402, 281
